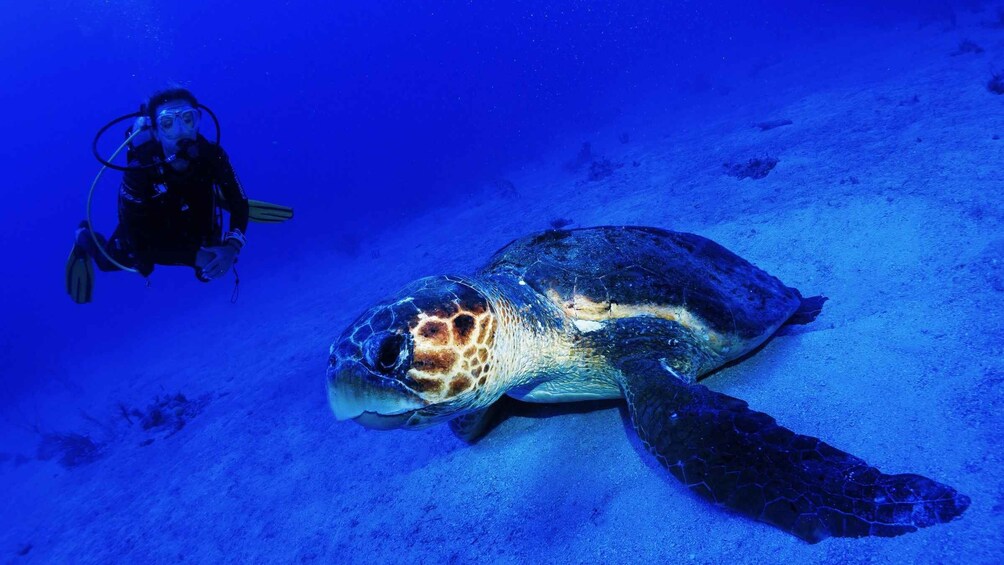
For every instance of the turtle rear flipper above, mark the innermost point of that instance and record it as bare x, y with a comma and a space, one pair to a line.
807, 311
743, 459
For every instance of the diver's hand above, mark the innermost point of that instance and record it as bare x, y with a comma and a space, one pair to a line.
223, 258
141, 122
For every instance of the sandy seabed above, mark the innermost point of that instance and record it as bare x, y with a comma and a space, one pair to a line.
887, 198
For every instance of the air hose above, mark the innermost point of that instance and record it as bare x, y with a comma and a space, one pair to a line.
90, 197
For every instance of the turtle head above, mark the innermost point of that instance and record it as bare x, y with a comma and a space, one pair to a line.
416, 360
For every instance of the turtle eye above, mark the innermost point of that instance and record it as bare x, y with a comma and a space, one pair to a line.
384, 351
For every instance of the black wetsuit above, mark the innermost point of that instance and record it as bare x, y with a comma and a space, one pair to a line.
166, 216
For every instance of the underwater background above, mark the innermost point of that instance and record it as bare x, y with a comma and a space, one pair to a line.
163, 423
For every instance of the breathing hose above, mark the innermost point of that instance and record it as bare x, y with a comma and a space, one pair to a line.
90, 197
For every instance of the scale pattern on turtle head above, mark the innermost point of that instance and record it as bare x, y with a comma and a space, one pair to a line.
434, 345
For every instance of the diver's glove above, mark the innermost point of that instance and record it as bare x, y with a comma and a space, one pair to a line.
224, 256
142, 122
141, 132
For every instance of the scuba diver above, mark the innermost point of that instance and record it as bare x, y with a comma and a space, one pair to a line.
171, 200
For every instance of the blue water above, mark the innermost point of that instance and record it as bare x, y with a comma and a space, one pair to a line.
388, 127
357, 115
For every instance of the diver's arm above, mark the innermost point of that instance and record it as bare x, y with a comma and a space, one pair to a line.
237, 204
233, 193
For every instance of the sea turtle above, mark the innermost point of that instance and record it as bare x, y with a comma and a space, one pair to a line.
633, 312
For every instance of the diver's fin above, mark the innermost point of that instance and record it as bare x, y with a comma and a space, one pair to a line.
743, 459
264, 212
79, 275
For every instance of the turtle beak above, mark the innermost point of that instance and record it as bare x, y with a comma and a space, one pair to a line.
376, 421
375, 402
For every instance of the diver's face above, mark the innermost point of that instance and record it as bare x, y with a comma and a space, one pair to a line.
175, 121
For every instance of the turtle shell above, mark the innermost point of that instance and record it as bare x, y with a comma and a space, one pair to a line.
603, 273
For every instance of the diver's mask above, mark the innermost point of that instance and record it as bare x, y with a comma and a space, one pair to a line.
177, 129
178, 123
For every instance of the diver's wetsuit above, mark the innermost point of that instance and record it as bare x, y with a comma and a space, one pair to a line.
165, 216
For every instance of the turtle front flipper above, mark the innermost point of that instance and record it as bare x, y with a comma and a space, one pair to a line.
472, 425
743, 459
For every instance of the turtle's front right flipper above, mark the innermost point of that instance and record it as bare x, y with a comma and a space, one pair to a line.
472, 425
743, 459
